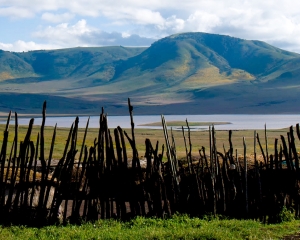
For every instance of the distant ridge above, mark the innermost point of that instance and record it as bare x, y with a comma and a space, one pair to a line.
188, 72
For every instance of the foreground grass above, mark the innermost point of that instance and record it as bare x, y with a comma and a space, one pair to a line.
178, 227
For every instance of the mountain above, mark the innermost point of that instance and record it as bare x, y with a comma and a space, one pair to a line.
188, 73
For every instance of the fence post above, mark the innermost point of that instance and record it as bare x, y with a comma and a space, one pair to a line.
246, 176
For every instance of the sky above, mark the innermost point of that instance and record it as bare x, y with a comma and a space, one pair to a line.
53, 24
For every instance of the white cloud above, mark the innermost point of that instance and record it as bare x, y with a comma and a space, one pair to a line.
125, 34
274, 21
172, 24
57, 18
202, 21
81, 34
15, 12
248, 20
62, 34
139, 16
20, 46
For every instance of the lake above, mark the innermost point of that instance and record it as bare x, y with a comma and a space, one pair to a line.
237, 122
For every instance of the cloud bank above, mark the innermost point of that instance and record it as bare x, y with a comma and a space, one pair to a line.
78, 22
80, 34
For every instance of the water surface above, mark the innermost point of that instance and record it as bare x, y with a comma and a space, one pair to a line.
237, 121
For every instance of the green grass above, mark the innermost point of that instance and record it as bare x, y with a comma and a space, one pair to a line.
177, 227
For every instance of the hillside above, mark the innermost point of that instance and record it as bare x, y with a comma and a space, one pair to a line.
63, 63
182, 73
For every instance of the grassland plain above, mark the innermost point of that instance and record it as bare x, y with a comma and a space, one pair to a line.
177, 227
198, 139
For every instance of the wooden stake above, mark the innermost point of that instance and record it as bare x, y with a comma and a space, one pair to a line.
246, 176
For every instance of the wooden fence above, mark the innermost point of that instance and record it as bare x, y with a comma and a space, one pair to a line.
104, 183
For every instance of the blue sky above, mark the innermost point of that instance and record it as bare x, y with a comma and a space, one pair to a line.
35, 24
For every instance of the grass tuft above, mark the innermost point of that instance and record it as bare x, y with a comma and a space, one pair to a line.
176, 227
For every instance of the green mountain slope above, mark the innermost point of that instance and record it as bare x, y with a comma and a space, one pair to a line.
63, 63
223, 51
183, 56
176, 73
173, 68
12, 66
75, 62
255, 57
